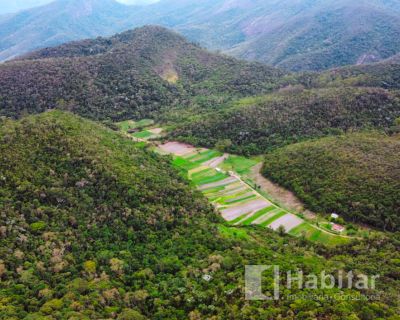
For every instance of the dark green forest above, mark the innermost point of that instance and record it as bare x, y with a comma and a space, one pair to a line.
135, 74
355, 175
261, 124
96, 226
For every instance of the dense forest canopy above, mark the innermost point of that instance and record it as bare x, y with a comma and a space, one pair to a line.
355, 175
256, 125
95, 226
135, 74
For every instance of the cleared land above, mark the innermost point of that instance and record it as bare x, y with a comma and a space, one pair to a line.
288, 221
141, 130
177, 148
218, 176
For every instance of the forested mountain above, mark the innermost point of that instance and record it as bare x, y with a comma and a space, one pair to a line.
58, 22
256, 125
94, 226
320, 35
385, 74
355, 175
297, 35
131, 75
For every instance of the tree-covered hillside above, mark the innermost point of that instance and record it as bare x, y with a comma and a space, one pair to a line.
94, 226
383, 75
256, 125
355, 175
131, 75
327, 34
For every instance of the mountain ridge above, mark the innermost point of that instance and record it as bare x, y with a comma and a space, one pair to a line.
130, 75
303, 35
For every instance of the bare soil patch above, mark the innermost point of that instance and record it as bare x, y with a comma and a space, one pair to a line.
155, 130
237, 211
283, 196
177, 148
214, 163
289, 222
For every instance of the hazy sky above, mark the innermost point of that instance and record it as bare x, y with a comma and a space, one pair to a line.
8, 6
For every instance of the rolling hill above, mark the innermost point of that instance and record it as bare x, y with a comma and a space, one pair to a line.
297, 35
355, 175
96, 226
255, 125
130, 75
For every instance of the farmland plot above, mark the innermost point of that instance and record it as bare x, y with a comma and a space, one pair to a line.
217, 176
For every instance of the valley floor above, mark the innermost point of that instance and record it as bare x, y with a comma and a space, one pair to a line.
237, 189
226, 181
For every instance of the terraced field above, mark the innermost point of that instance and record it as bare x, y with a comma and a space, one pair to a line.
219, 177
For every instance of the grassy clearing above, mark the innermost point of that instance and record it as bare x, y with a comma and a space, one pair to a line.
233, 232
312, 233
182, 163
131, 124
238, 164
143, 134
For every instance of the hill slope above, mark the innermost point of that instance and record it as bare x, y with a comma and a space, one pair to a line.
327, 35
255, 125
298, 35
356, 175
130, 75
94, 226
58, 22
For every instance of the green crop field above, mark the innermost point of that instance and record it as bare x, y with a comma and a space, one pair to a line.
235, 195
239, 164
204, 156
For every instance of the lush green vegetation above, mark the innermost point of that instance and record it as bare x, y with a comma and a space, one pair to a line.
241, 165
239, 195
355, 175
127, 77
127, 125
385, 75
95, 226
256, 125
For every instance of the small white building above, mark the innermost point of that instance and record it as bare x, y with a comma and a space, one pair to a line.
334, 216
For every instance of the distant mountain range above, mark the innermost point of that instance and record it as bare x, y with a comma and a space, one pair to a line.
18, 5
297, 35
